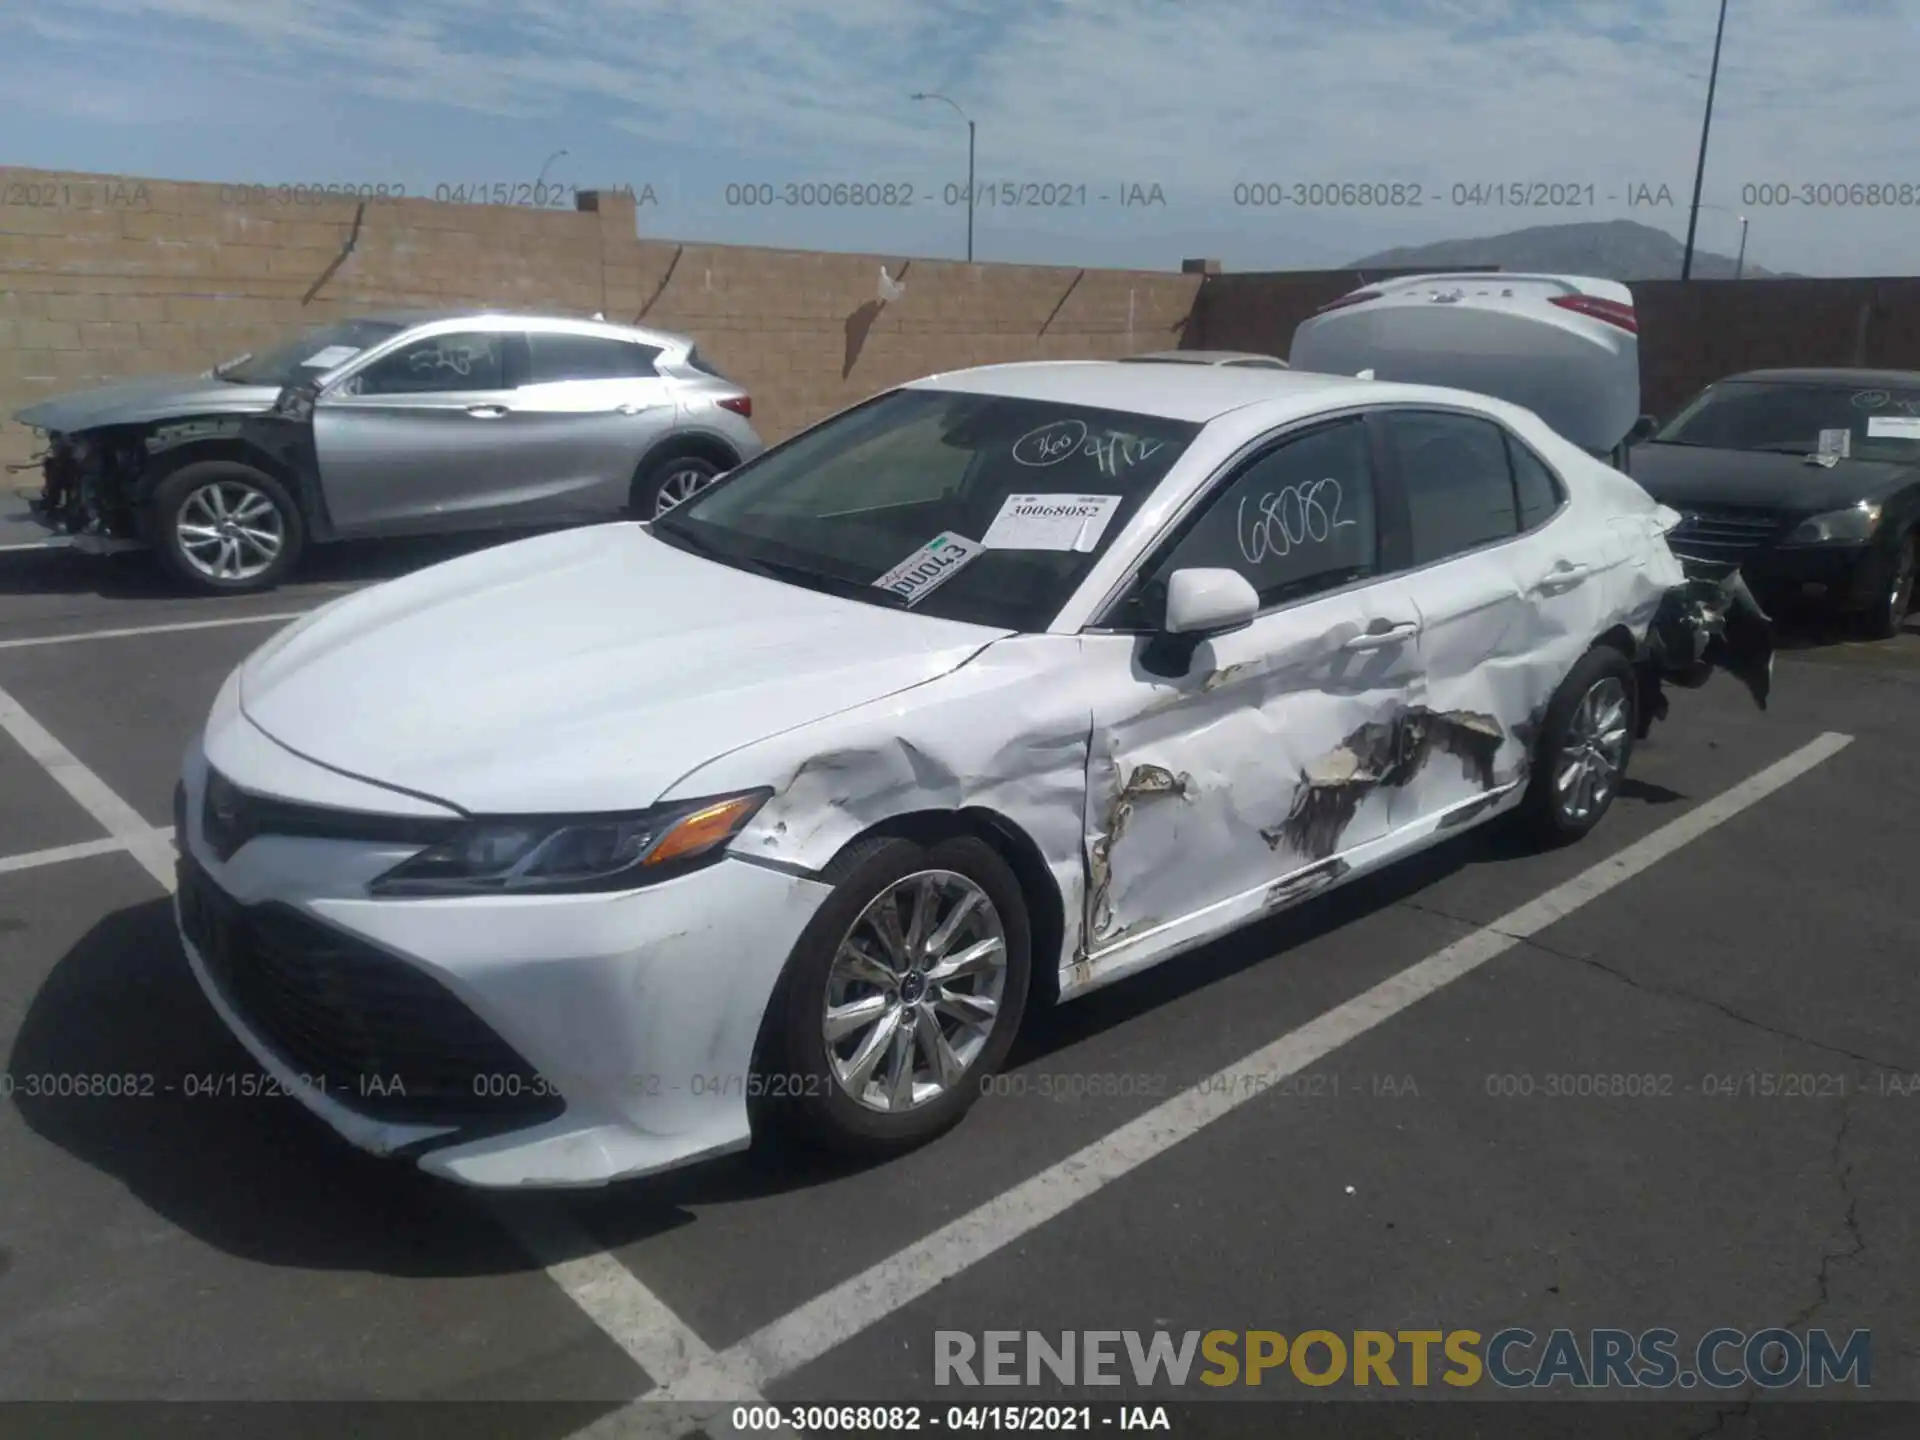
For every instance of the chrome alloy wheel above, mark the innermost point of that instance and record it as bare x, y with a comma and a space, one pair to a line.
681, 486
1595, 750
914, 990
228, 530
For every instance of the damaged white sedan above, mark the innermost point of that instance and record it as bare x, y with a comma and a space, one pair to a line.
585, 856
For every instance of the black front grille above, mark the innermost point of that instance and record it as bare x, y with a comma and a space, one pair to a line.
373, 1032
230, 817
1724, 536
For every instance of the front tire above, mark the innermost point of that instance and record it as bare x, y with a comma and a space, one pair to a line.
1584, 746
669, 483
225, 528
1885, 619
902, 995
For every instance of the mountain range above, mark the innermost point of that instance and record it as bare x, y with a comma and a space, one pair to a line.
1606, 249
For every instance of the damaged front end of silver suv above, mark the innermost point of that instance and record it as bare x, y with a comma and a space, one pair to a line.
89, 486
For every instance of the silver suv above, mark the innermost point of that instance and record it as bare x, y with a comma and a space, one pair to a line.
403, 423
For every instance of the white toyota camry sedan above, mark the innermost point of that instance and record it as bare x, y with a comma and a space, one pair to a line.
585, 856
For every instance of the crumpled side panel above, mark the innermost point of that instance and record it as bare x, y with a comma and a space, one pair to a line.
1195, 780
1006, 733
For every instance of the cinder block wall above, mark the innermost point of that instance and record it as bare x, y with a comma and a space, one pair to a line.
104, 277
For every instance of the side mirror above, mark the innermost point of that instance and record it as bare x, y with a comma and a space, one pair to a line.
1642, 428
1208, 602
1200, 603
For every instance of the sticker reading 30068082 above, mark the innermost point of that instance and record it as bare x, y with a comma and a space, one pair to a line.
932, 565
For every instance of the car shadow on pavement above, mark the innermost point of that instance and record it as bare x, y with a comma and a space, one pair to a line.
260, 1178
136, 575
253, 1175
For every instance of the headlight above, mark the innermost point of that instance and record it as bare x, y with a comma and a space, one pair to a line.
1838, 527
561, 854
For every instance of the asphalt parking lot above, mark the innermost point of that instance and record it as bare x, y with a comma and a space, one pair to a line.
1387, 1152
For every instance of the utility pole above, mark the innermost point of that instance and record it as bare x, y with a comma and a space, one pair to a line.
1706, 125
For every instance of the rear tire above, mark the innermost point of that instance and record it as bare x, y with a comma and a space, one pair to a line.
225, 528
877, 1088
668, 483
1585, 744
1886, 619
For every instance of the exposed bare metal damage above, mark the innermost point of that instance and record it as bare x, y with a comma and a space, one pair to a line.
1380, 756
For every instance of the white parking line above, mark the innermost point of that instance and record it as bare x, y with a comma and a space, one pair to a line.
119, 819
35, 545
34, 859
176, 626
612, 1296
779, 1349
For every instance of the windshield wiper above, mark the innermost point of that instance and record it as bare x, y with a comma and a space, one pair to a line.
777, 570
831, 584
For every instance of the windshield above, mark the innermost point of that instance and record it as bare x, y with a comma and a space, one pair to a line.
969, 507
315, 352
1876, 423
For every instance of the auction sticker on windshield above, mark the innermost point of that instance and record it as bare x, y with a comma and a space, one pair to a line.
1893, 427
331, 356
1050, 522
932, 565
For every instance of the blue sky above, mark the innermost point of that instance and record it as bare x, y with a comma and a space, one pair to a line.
703, 102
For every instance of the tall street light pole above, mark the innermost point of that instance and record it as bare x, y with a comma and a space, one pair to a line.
1740, 264
924, 95
540, 182
1700, 170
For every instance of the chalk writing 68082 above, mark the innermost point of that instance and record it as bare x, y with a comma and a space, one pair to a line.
1286, 519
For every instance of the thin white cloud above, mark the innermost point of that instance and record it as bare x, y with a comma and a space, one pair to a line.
1194, 96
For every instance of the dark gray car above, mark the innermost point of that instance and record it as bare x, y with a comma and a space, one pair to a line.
403, 423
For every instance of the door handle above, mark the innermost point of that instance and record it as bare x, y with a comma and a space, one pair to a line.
486, 412
1381, 634
1563, 577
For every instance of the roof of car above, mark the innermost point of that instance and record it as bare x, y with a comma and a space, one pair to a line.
1200, 357
1830, 375
408, 318
1175, 392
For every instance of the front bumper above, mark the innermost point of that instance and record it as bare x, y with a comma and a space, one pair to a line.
635, 1014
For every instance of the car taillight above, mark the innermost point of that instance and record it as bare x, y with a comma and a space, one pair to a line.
1611, 311
1358, 297
741, 405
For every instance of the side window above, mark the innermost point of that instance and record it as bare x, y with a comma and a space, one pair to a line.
557, 357
1533, 485
469, 361
1459, 487
1295, 521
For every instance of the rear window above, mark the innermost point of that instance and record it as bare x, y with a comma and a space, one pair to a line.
1877, 423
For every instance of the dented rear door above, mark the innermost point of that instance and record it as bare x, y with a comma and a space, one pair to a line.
1511, 586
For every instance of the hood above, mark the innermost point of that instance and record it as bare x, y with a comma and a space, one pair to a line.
1684, 475
157, 397
578, 672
